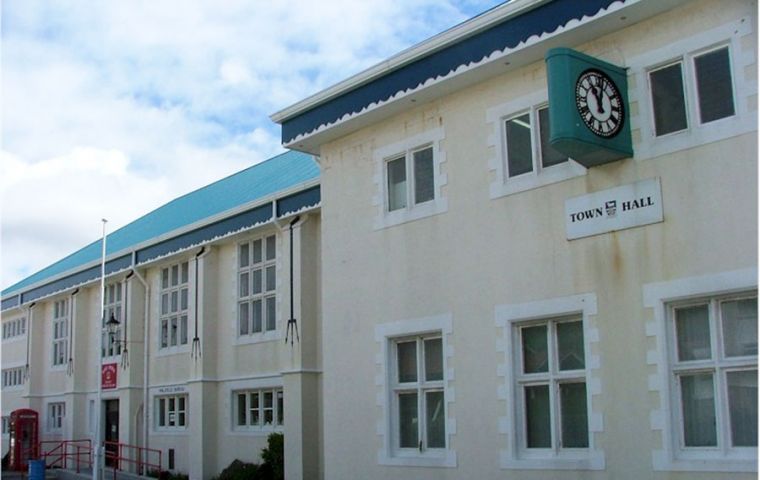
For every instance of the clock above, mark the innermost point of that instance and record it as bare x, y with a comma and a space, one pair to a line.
599, 103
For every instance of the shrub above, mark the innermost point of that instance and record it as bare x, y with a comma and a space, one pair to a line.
274, 456
238, 470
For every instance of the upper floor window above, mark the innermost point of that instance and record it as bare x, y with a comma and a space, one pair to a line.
259, 409
111, 345
257, 286
174, 305
13, 377
713, 351
14, 328
60, 331
409, 179
527, 143
710, 88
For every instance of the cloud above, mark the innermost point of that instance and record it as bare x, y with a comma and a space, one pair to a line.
113, 108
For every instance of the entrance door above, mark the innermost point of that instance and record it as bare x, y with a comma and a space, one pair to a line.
112, 432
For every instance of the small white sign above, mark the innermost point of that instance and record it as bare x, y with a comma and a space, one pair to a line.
614, 209
172, 389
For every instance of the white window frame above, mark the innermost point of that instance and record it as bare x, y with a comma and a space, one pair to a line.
509, 318
278, 418
540, 176
14, 329
13, 378
382, 155
661, 297
265, 334
60, 334
112, 342
56, 415
164, 401
165, 317
684, 50
386, 336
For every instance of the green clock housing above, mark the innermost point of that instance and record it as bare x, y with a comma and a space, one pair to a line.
588, 108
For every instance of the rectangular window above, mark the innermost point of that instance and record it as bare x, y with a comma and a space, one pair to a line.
668, 99
714, 369
551, 384
111, 342
710, 89
417, 388
6, 425
410, 178
528, 150
56, 413
13, 377
14, 328
171, 412
60, 331
257, 286
258, 409
174, 305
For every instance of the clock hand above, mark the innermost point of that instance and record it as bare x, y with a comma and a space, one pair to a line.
598, 94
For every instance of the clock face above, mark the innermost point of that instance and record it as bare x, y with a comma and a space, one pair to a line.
599, 103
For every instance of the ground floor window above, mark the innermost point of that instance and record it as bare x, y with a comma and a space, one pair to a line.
13, 377
171, 412
260, 408
56, 413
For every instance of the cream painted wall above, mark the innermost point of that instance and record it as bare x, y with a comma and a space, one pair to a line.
486, 252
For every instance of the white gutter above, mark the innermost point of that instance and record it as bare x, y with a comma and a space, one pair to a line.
442, 40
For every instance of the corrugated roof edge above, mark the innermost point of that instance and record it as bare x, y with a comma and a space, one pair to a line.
307, 177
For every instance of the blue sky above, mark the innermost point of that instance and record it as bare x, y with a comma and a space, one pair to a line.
111, 108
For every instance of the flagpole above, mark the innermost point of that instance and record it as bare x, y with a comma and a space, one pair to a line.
96, 465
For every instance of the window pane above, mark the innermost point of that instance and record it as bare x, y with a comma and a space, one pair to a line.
407, 361
535, 351
162, 412
538, 417
271, 278
183, 330
549, 155
184, 268
271, 313
693, 332
572, 397
698, 404
739, 327
433, 359
243, 318
396, 184
423, 175
742, 406
174, 302
165, 278
570, 346
256, 281
716, 97
173, 331
164, 333
271, 248
256, 316
408, 430
182, 300
668, 100
164, 303
519, 150
435, 420
244, 255
257, 251
175, 275
244, 284
280, 408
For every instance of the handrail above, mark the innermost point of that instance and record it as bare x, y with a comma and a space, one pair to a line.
123, 453
80, 451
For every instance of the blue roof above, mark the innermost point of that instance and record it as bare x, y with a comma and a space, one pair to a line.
262, 180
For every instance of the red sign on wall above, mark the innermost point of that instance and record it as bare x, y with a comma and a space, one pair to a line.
108, 375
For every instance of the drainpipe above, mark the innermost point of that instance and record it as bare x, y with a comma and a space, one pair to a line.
146, 351
30, 316
72, 314
195, 351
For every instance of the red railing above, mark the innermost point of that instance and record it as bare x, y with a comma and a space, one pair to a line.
118, 455
66, 453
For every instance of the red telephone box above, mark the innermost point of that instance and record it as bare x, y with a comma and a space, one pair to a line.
24, 438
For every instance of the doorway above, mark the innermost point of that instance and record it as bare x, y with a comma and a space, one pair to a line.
112, 433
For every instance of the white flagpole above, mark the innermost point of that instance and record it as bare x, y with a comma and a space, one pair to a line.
96, 464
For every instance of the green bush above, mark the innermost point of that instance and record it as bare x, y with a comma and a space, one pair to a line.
274, 456
238, 470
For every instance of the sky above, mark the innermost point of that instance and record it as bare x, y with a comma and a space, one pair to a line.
111, 108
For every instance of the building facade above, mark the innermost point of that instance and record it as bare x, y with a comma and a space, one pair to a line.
510, 312
203, 288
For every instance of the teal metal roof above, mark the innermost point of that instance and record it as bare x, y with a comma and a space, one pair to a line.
262, 180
